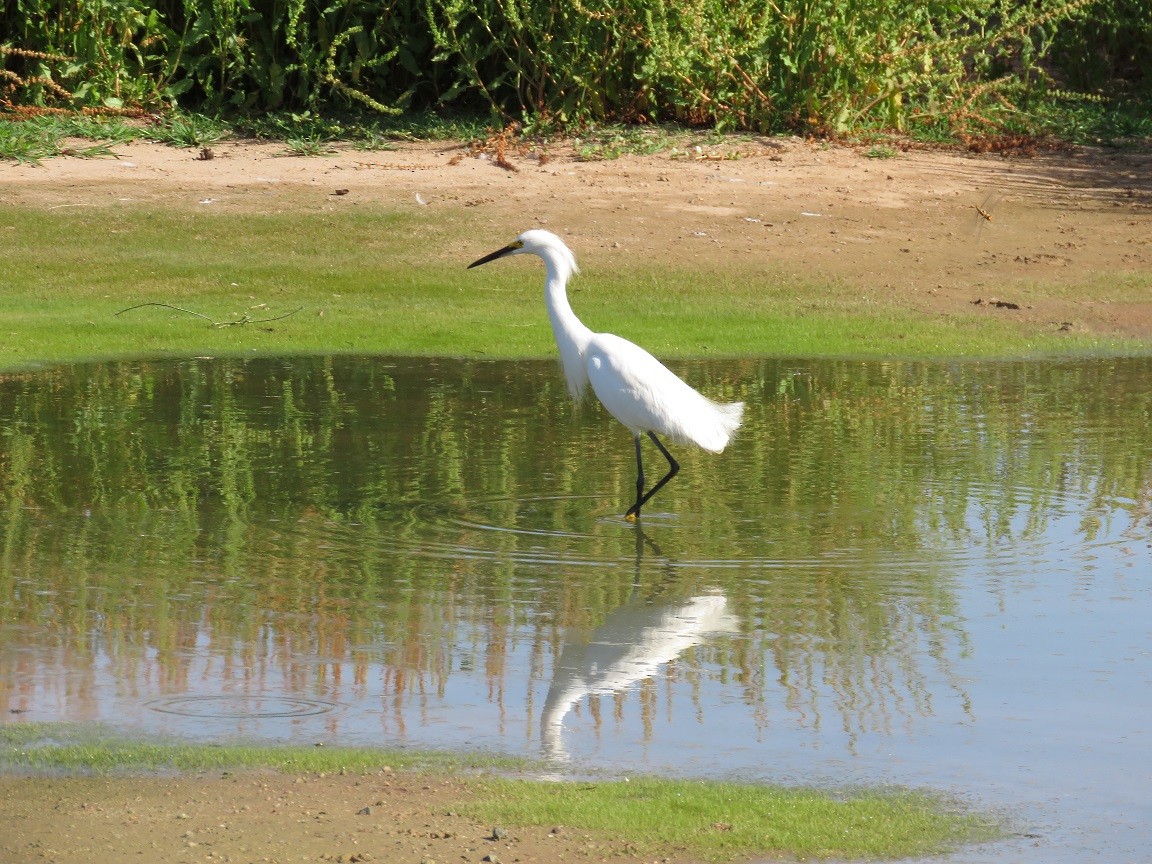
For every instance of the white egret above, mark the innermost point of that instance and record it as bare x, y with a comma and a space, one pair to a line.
635, 387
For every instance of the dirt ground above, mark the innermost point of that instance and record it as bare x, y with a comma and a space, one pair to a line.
274, 818
1067, 227
1066, 230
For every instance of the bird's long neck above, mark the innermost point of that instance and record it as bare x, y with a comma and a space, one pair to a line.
572, 337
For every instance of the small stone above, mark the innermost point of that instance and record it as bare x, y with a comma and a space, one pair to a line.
491, 859
499, 834
364, 811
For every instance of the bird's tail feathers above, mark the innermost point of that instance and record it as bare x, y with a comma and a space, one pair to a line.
731, 415
727, 416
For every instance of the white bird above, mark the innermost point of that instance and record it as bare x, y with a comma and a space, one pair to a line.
635, 387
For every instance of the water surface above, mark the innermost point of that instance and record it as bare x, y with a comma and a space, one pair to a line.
933, 574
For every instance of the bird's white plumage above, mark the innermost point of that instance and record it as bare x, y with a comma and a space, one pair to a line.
646, 396
635, 387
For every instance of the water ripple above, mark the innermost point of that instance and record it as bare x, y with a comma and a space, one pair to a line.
225, 706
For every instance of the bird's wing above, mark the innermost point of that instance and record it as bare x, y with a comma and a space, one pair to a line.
646, 396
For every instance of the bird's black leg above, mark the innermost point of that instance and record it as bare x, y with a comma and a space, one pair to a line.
673, 468
634, 510
641, 496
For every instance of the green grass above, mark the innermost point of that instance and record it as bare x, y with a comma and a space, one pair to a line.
187, 130
21, 143
33, 138
643, 816
880, 151
74, 135
1122, 123
64, 748
367, 128
381, 281
722, 821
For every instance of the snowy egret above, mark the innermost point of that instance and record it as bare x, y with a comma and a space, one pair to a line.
635, 387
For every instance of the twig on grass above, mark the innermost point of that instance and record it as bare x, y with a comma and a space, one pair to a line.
243, 319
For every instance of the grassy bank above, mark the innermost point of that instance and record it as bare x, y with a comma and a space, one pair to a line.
699, 819
378, 281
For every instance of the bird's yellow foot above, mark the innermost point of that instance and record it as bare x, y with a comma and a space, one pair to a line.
631, 517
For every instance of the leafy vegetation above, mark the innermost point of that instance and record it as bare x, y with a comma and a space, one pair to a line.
816, 66
1086, 120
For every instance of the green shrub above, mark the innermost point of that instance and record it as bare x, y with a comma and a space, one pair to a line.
1107, 47
829, 66
89, 52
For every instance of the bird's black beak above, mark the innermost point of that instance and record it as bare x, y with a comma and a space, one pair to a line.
499, 253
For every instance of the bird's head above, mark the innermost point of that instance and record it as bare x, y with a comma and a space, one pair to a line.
535, 242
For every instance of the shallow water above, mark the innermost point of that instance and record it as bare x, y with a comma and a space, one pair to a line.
933, 574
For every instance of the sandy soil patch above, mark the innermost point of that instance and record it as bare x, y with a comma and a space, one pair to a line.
275, 818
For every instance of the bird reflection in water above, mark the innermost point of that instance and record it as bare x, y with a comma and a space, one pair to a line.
631, 645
